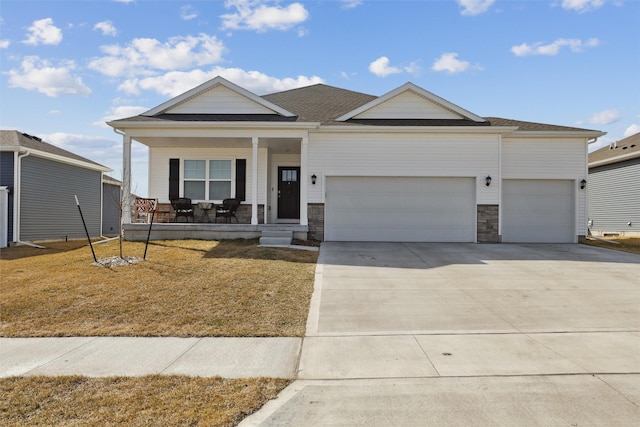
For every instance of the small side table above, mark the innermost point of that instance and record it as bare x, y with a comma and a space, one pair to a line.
206, 207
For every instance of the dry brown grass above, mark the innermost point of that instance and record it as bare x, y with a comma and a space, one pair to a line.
185, 288
628, 244
141, 401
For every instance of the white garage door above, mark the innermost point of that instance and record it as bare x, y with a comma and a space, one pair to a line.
394, 209
538, 211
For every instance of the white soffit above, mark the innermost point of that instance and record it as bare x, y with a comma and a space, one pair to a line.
218, 96
410, 102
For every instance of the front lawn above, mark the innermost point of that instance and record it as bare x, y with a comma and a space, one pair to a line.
187, 288
624, 244
142, 401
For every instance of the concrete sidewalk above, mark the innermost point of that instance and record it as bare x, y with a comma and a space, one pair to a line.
133, 356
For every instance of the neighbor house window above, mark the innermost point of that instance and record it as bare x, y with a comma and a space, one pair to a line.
207, 179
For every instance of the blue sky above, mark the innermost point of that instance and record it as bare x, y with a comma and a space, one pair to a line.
69, 66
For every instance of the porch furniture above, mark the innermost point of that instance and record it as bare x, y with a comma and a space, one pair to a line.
163, 213
228, 209
143, 208
182, 207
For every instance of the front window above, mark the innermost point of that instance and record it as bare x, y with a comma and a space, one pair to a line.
207, 179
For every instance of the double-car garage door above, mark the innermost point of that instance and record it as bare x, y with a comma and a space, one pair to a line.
400, 209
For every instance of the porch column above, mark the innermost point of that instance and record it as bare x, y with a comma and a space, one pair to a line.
126, 179
254, 182
304, 173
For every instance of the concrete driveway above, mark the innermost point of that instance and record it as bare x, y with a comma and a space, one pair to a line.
466, 334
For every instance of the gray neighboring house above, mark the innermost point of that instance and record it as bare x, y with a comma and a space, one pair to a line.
111, 193
614, 188
41, 181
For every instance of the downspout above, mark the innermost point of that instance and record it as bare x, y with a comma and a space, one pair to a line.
16, 199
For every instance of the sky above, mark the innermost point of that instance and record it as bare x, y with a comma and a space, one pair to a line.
69, 66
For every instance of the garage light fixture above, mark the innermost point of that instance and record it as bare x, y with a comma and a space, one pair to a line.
487, 181
313, 179
583, 184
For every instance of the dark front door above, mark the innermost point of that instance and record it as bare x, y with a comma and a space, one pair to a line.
289, 192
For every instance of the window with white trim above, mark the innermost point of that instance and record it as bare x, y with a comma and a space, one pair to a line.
208, 179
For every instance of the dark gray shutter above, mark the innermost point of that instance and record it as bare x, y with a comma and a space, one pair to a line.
174, 178
241, 179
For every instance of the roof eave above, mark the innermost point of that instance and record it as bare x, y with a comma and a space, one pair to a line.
560, 133
502, 130
56, 157
616, 159
123, 125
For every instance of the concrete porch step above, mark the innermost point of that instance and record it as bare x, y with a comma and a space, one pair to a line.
276, 238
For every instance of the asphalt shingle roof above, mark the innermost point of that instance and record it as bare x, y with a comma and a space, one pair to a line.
13, 138
620, 151
322, 103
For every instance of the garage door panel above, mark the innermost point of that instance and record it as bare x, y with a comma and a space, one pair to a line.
538, 211
400, 209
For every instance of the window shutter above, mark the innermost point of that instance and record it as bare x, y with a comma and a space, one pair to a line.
241, 179
174, 178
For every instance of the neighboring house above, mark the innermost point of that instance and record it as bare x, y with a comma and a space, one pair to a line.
111, 199
42, 180
346, 166
614, 188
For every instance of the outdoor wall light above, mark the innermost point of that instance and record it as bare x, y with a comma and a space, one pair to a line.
313, 179
487, 181
583, 184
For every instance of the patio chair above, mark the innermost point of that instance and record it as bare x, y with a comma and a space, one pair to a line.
182, 207
228, 209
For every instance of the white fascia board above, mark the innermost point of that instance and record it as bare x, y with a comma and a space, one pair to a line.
210, 84
213, 125
420, 91
560, 134
484, 130
56, 158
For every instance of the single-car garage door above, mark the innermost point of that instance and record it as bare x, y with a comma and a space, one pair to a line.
538, 211
400, 209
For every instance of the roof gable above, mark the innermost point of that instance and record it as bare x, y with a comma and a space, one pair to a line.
410, 102
218, 96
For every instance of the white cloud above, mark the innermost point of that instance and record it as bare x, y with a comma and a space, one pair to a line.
474, 7
43, 32
106, 27
259, 15
4, 44
605, 117
450, 63
381, 68
350, 4
187, 13
144, 55
631, 130
582, 5
119, 112
176, 82
552, 49
40, 75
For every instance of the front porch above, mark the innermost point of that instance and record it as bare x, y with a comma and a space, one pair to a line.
208, 231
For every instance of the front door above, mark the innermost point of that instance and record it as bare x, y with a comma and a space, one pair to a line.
288, 192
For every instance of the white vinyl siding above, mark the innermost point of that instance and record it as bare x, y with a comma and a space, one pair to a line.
159, 168
411, 155
408, 105
219, 100
400, 209
538, 211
